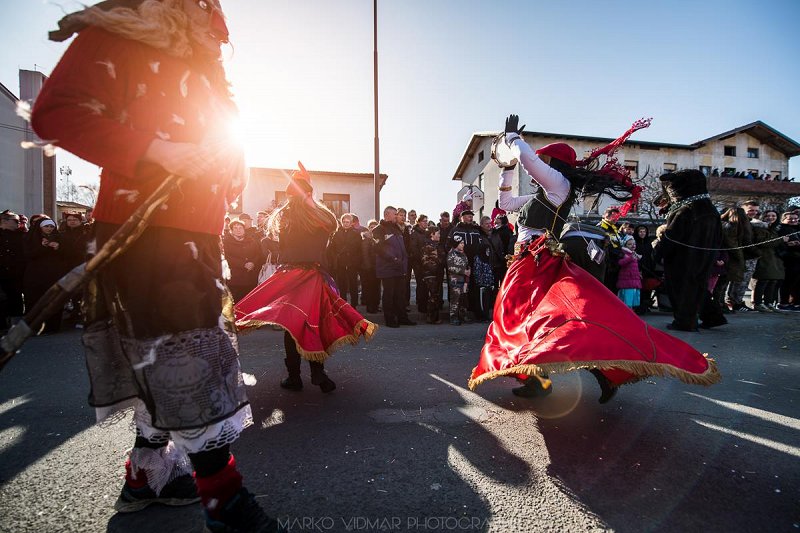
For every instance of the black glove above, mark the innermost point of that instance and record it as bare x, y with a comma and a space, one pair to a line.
511, 125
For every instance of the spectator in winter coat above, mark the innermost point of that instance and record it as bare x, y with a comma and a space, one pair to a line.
464, 205
250, 231
405, 227
44, 265
391, 265
74, 239
614, 250
470, 234
270, 248
629, 279
483, 274
445, 225
644, 247
357, 224
737, 233
790, 254
345, 256
244, 260
769, 269
432, 261
501, 240
370, 284
458, 273
12, 268
751, 255
419, 237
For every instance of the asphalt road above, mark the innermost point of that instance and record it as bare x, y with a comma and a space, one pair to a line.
402, 445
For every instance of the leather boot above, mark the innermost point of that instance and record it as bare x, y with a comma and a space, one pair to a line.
607, 389
292, 362
320, 378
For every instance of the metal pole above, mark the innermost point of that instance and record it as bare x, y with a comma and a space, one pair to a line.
377, 177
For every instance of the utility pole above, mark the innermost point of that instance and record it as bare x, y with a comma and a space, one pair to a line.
377, 177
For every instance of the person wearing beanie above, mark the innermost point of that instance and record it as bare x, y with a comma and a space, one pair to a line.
552, 313
244, 257
142, 93
45, 263
301, 296
464, 205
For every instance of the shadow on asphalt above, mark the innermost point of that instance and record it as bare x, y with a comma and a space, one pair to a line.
381, 446
37, 408
673, 457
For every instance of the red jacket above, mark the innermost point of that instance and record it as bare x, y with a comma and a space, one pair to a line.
108, 99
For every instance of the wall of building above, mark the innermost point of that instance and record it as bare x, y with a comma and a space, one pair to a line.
265, 183
649, 163
27, 177
12, 157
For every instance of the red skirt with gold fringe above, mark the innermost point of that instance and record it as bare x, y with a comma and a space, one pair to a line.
301, 301
553, 316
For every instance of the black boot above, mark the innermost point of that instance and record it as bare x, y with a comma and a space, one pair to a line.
607, 389
320, 378
292, 362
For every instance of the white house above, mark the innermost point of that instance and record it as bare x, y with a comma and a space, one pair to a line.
755, 148
27, 177
342, 192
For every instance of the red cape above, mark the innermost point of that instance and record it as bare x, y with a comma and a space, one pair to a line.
553, 316
301, 301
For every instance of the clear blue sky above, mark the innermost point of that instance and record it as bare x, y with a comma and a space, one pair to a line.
302, 73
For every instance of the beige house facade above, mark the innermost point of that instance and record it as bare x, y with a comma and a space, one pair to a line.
756, 148
342, 192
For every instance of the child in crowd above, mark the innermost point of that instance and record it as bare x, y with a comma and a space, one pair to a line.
457, 279
432, 270
629, 281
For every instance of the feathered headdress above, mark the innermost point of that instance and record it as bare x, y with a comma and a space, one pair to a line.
612, 166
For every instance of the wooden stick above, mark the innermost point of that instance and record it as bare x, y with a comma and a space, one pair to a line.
56, 296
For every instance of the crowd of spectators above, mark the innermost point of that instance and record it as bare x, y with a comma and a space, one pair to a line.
747, 175
34, 254
457, 257
374, 265
760, 252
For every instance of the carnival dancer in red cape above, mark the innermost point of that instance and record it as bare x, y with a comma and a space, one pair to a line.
142, 92
301, 296
553, 314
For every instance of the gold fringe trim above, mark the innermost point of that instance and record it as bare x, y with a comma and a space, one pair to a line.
321, 355
641, 369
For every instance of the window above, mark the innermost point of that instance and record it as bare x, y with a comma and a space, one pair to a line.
633, 168
729, 171
776, 175
480, 181
705, 170
480, 156
730, 150
338, 203
752, 153
670, 167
